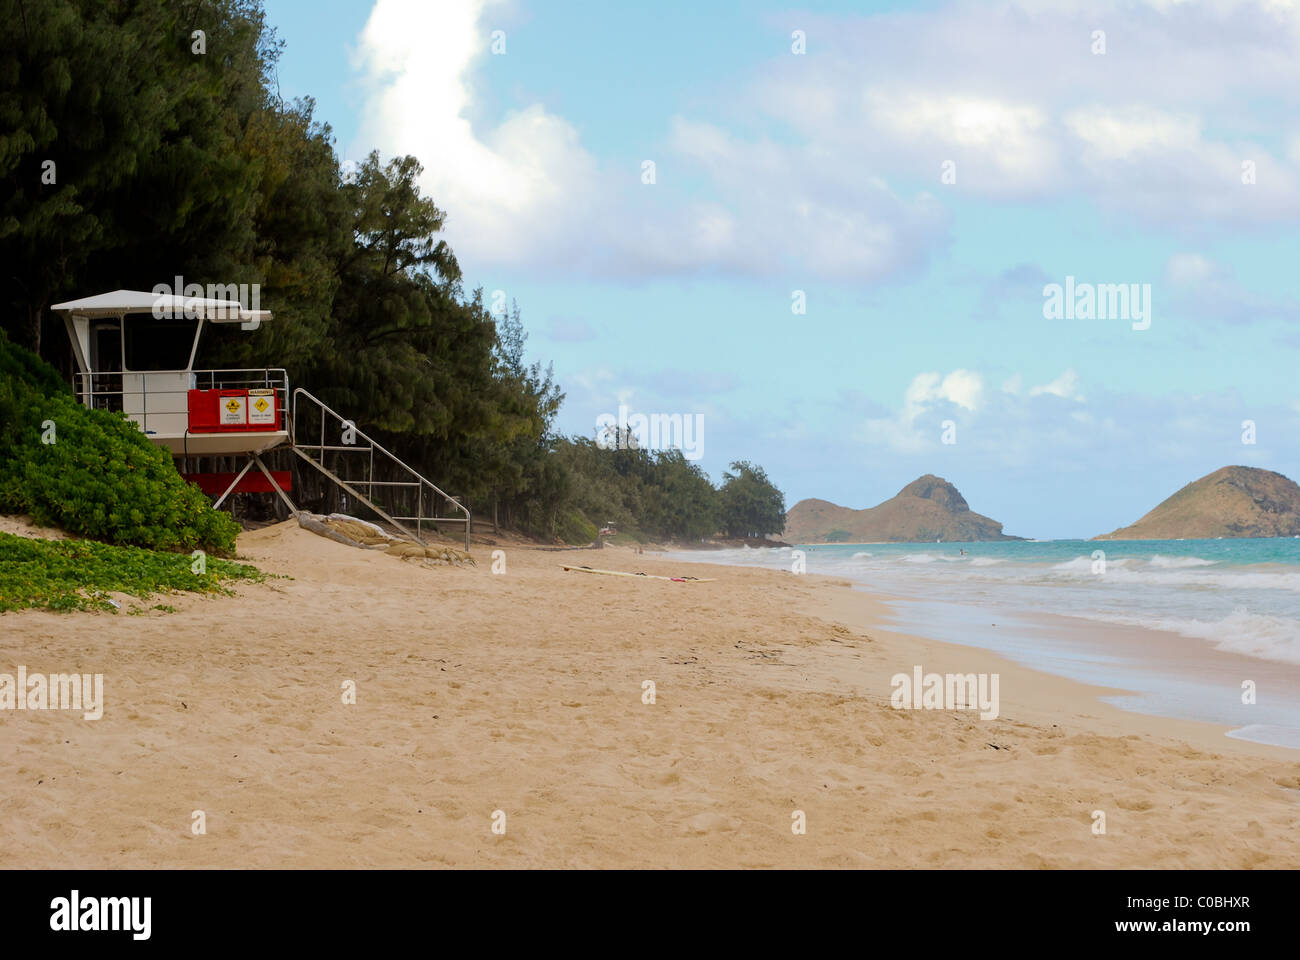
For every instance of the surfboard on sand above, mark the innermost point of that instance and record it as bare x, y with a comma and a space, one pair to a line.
647, 576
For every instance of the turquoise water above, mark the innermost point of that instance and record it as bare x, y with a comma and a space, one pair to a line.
1239, 598
1241, 595
1244, 552
1239, 552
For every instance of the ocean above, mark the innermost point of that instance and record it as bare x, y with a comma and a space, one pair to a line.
1233, 606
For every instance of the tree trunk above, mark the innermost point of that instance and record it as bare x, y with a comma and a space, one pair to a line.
34, 328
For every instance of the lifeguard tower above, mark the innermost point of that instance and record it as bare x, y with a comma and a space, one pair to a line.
135, 354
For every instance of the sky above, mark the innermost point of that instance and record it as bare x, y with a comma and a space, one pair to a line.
831, 231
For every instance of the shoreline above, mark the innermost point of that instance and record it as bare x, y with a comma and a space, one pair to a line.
1182, 677
524, 691
1041, 695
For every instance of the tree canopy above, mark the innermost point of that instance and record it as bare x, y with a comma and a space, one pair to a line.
134, 149
751, 505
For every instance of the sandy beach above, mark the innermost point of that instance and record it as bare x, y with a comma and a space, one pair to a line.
522, 692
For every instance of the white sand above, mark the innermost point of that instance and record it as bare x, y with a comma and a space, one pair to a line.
522, 692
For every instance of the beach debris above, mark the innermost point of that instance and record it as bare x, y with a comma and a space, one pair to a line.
349, 531
843, 634
647, 576
100, 595
430, 556
354, 532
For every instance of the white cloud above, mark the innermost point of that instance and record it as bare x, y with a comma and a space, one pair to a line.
1189, 270
1205, 289
1110, 134
526, 193
1176, 438
961, 387
1157, 129
597, 380
504, 188
918, 421
961, 395
1005, 141
1065, 386
782, 204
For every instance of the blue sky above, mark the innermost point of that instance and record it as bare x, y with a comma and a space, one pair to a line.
1171, 159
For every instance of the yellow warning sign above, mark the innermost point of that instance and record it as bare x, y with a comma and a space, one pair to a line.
232, 411
262, 411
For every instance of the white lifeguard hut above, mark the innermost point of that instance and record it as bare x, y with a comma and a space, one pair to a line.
135, 354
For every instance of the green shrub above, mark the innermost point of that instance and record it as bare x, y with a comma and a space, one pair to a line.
101, 477
573, 527
72, 574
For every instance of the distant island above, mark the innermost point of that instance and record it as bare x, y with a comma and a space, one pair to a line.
927, 509
1230, 502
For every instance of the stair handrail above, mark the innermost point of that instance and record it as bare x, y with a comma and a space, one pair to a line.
319, 465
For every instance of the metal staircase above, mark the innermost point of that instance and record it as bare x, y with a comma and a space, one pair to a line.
320, 436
